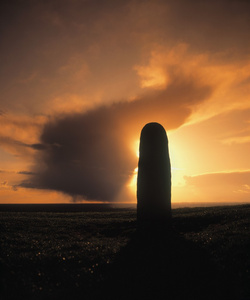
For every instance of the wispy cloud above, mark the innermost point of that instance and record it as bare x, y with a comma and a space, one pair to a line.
237, 140
221, 186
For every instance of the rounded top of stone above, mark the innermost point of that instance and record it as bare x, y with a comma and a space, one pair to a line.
153, 128
153, 140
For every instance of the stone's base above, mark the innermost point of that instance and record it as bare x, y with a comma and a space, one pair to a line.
154, 214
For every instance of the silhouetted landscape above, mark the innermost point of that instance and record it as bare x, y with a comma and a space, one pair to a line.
125, 100
97, 253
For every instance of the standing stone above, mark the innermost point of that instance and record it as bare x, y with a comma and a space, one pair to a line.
154, 175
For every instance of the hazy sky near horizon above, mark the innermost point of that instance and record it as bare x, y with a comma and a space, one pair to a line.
80, 78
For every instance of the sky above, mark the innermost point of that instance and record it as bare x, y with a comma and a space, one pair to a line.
80, 79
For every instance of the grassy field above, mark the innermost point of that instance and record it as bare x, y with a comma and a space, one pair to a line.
205, 254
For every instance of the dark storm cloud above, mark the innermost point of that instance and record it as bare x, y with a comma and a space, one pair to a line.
215, 26
19, 172
15, 143
26, 173
38, 38
88, 154
36, 146
52, 49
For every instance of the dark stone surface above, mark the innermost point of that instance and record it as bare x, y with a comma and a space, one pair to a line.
154, 175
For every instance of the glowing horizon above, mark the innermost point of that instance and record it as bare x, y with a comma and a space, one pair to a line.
80, 82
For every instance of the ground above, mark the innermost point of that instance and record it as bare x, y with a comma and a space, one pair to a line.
203, 254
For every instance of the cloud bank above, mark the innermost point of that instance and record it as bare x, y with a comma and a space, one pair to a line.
79, 79
88, 155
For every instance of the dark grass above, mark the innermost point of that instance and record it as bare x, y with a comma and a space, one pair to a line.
99, 254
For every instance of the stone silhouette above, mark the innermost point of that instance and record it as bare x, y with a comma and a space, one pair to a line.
154, 175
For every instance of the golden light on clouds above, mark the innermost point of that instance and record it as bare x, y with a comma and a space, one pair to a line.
79, 83
152, 77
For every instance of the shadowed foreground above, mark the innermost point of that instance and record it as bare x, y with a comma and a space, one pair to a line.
99, 254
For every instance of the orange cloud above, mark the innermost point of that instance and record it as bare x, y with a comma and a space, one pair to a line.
229, 80
14, 196
20, 134
237, 140
222, 187
132, 63
83, 151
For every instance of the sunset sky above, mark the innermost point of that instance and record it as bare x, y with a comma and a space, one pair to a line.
80, 78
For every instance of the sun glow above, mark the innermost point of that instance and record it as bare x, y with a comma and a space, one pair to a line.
177, 173
136, 148
132, 184
133, 181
